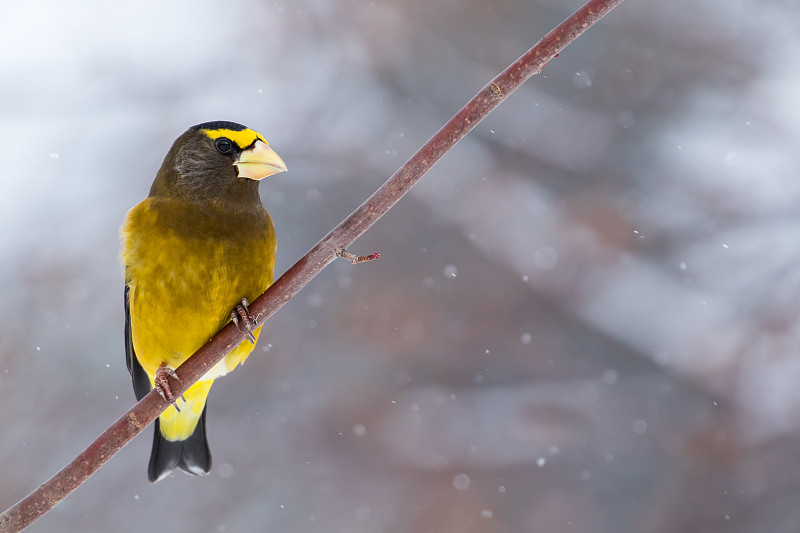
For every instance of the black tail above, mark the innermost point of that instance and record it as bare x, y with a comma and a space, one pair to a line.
191, 455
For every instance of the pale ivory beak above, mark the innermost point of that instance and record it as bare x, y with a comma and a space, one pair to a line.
259, 162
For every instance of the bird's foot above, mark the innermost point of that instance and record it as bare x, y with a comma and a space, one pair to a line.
161, 383
242, 313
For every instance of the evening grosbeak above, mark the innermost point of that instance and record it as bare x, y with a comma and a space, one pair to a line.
195, 250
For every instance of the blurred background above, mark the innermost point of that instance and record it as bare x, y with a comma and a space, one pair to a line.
584, 319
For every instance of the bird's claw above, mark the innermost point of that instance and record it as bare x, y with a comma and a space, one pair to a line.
161, 383
242, 313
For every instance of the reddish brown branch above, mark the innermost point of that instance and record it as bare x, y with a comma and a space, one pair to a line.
332, 245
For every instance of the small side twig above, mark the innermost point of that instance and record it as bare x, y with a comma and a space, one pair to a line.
356, 259
130, 424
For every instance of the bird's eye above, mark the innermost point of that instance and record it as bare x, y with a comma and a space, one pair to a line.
223, 145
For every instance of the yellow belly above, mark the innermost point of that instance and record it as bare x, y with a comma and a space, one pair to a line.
187, 270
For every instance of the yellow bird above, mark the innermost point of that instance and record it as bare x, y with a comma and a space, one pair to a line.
195, 250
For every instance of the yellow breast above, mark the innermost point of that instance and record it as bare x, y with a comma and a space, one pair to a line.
187, 268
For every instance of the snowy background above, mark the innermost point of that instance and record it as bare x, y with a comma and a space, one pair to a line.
585, 318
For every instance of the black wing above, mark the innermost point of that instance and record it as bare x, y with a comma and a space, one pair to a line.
141, 383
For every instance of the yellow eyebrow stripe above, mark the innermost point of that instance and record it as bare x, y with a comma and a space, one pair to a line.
243, 138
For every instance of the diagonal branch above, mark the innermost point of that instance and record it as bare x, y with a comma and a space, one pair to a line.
332, 245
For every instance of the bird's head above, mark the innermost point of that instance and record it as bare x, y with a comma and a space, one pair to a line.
217, 161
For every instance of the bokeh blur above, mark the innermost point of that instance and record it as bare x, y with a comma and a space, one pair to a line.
584, 319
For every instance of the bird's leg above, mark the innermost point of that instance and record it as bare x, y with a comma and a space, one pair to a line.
242, 312
161, 383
